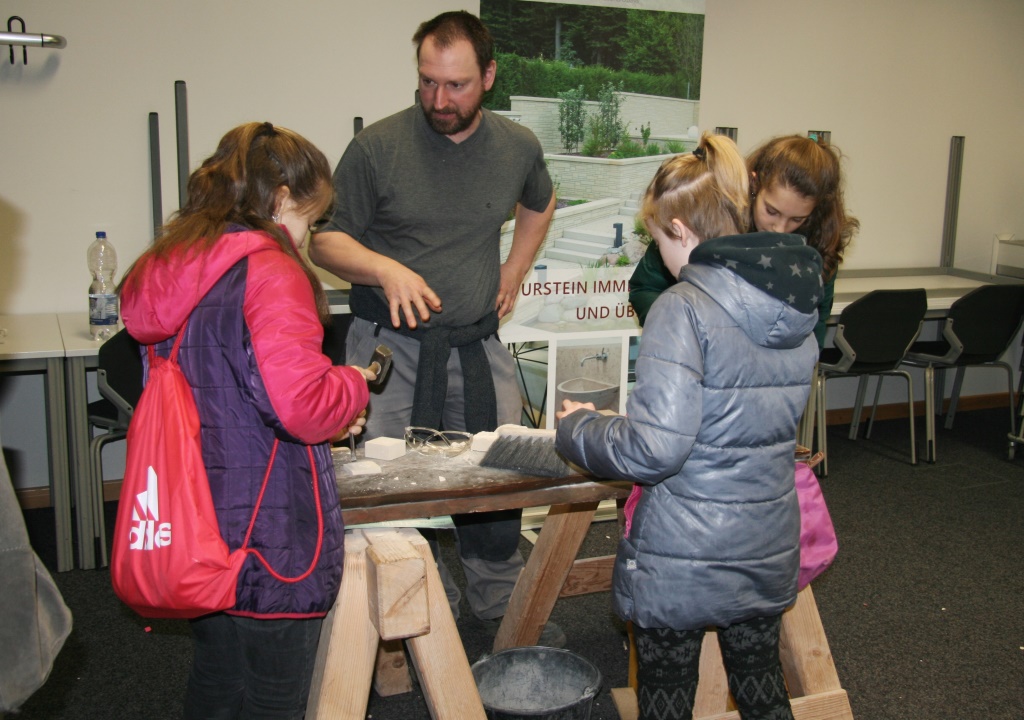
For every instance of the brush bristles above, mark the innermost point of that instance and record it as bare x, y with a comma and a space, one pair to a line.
527, 455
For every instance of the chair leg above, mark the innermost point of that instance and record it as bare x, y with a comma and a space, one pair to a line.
862, 386
1013, 415
805, 430
929, 413
954, 397
96, 469
822, 429
1015, 438
910, 414
96, 457
1020, 382
874, 406
939, 389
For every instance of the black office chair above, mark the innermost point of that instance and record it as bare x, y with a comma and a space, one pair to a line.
978, 330
119, 381
873, 335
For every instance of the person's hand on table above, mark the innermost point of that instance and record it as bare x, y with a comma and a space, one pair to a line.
571, 406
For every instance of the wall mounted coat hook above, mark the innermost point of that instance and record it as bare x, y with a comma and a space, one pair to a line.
10, 29
25, 39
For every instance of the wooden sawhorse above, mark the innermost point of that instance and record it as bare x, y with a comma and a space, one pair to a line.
348, 651
814, 689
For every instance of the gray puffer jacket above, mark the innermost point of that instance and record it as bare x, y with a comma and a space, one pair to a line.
723, 376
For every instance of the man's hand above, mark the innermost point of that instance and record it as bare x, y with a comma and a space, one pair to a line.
350, 260
526, 241
508, 290
407, 293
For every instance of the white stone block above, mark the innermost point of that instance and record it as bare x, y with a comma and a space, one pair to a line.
384, 448
483, 440
361, 467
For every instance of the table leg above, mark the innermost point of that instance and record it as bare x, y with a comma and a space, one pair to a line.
57, 442
544, 575
81, 472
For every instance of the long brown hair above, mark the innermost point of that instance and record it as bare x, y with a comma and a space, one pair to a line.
705, 189
811, 169
238, 185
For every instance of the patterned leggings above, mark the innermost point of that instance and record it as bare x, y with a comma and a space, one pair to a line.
669, 661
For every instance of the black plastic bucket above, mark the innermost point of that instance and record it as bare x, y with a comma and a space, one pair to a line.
527, 683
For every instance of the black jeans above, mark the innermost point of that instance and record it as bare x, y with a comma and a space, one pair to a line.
247, 668
669, 661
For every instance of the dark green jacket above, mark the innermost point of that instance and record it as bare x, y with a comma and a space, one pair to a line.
651, 278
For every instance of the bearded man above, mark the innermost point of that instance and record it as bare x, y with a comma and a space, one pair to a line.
420, 200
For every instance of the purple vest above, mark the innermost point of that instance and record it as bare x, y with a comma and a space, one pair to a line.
239, 426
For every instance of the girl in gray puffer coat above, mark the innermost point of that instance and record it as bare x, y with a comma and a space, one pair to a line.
713, 526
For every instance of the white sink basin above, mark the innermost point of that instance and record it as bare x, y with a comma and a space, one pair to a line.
588, 390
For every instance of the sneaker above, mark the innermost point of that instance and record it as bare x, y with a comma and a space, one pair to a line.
551, 636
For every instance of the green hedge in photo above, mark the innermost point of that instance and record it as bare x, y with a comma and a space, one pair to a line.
548, 78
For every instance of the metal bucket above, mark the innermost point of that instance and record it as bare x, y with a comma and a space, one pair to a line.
528, 683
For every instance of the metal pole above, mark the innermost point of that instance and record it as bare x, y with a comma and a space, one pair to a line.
956, 166
181, 128
154, 172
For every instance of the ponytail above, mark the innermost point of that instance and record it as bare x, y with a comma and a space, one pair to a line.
707, 190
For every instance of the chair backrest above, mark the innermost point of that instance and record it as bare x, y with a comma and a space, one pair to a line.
984, 322
879, 327
119, 378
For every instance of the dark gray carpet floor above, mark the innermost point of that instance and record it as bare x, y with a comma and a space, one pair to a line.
923, 608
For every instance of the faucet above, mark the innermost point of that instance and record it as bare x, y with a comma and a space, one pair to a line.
603, 355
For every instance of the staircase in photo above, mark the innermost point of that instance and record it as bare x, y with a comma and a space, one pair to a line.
585, 244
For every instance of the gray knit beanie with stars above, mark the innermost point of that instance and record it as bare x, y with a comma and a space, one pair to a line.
780, 264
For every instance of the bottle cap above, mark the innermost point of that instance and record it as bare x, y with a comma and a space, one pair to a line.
101, 234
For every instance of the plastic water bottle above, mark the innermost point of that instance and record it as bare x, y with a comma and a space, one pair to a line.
103, 304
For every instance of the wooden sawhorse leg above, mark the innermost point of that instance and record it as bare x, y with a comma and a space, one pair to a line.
814, 689
345, 661
348, 644
545, 573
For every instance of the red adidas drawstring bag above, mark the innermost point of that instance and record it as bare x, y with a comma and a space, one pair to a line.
168, 558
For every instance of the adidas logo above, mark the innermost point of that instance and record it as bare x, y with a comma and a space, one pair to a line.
147, 532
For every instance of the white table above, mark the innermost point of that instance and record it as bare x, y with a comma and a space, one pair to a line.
81, 353
943, 286
33, 345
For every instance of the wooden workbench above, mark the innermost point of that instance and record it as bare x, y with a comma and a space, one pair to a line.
420, 486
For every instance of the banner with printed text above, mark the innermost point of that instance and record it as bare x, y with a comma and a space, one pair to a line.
572, 300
